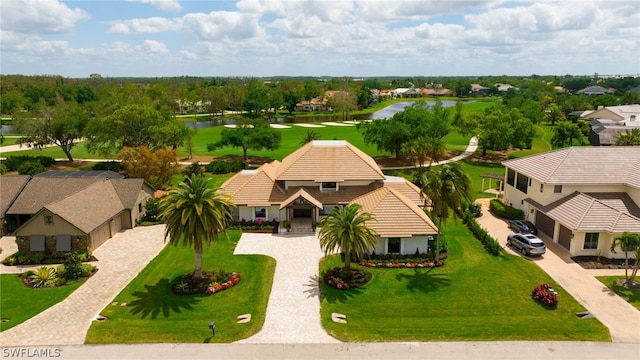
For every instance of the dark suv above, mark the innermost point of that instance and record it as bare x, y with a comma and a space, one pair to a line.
523, 226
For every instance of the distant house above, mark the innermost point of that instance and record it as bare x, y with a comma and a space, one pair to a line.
323, 174
596, 90
580, 197
615, 113
635, 89
605, 132
560, 90
477, 89
436, 92
504, 87
65, 211
315, 104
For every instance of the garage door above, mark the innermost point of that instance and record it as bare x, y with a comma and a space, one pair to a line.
545, 224
564, 237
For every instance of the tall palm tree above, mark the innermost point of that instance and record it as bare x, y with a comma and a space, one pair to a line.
195, 213
627, 242
629, 138
345, 229
447, 188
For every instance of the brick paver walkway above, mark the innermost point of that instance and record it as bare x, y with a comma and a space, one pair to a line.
622, 319
120, 259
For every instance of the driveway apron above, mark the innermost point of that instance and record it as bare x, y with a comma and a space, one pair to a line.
622, 319
120, 259
293, 312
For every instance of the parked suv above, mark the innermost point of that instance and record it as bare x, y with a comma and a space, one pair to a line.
523, 226
528, 244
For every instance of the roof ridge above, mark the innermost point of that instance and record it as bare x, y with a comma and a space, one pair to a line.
291, 159
367, 159
410, 204
259, 171
560, 163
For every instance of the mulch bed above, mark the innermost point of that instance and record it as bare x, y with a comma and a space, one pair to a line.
592, 262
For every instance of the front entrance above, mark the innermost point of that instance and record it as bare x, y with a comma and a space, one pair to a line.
302, 213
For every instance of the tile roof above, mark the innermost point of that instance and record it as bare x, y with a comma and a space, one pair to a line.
583, 165
396, 215
594, 212
301, 194
406, 188
10, 187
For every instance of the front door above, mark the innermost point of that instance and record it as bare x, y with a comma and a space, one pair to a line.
302, 213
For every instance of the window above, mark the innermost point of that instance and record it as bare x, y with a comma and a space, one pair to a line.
522, 183
261, 212
140, 207
591, 241
511, 177
541, 187
63, 243
329, 186
557, 189
326, 210
393, 245
36, 243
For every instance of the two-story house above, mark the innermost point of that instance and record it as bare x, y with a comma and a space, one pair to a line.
323, 174
580, 197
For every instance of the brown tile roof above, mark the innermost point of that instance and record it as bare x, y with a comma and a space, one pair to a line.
406, 188
328, 161
396, 215
81, 209
583, 165
343, 196
595, 212
10, 187
41, 191
301, 194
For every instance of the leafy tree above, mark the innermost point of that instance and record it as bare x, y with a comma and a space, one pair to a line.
12, 102
565, 133
345, 229
255, 135
365, 98
628, 242
309, 136
195, 213
134, 125
157, 167
629, 138
61, 125
495, 131
216, 99
256, 98
446, 189
343, 102
554, 114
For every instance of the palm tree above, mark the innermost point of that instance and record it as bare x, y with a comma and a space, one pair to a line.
195, 213
627, 242
629, 138
310, 135
447, 187
345, 229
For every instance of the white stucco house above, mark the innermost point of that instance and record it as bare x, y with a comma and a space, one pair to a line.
306, 185
580, 197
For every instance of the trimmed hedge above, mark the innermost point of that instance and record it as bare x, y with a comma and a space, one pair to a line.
107, 165
225, 167
505, 211
490, 244
14, 162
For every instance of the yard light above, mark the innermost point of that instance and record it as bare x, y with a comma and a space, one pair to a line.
212, 326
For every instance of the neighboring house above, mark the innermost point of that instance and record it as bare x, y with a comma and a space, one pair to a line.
436, 92
411, 92
477, 89
605, 132
581, 197
596, 90
616, 113
323, 174
635, 89
315, 104
10, 188
59, 212
504, 87
560, 90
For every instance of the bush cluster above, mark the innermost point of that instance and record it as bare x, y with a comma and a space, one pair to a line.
343, 279
490, 244
210, 283
37, 258
152, 211
505, 211
107, 165
13, 163
225, 167
545, 295
254, 225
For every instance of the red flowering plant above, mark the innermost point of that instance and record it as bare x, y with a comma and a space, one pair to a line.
545, 295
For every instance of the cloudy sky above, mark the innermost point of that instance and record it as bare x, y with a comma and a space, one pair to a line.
320, 37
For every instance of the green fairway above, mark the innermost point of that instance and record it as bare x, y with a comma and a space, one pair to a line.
19, 303
146, 311
474, 297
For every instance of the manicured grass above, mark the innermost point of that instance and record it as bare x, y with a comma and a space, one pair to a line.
475, 297
632, 296
476, 168
19, 303
9, 141
153, 314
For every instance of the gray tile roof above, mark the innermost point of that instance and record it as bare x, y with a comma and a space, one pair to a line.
10, 187
616, 165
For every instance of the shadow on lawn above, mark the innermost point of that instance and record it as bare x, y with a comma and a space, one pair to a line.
158, 298
423, 280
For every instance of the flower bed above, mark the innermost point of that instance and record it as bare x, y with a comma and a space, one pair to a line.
410, 264
258, 226
210, 283
343, 279
545, 295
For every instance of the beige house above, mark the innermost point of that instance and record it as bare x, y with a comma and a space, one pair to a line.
323, 174
622, 113
580, 197
60, 212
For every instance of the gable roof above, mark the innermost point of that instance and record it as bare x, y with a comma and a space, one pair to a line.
594, 212
41, 191
10, 188
391, 208
615, 165
595, 90
618, 113
129, 189
301, 194
328, 161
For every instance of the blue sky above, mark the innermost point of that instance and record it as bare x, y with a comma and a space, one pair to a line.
359, 38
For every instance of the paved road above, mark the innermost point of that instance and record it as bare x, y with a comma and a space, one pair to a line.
622, 319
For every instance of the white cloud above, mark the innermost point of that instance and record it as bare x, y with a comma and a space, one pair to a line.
164, 5
38, 17
149, 25
221, 24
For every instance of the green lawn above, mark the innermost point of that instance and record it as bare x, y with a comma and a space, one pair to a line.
632, 296
153, 314
474, 297
19, 303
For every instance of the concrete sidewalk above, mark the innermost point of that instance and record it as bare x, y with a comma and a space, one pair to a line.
120, 259
622, 319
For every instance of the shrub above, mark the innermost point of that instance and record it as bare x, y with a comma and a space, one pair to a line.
195, 169
490, 244
13, 162
72, 267
545, 295
3, 168
219, 167
107, 165
31, 168
152, 211
505, 211
43, 277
